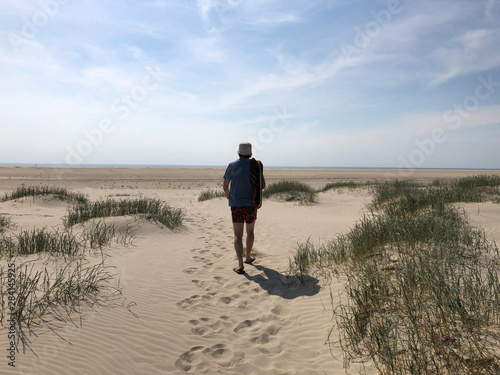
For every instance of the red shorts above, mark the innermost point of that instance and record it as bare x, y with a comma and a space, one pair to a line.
244, 214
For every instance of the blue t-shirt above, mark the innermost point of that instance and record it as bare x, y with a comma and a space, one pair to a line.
240, 192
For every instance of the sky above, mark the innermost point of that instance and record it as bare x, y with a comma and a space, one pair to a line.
330, 83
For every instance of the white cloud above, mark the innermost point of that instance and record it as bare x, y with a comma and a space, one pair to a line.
275, 19
473, 51
489, 7
206, 50
226, 65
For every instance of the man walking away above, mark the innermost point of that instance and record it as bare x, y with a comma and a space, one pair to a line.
240, 192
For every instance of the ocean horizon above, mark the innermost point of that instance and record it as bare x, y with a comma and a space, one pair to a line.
213, 166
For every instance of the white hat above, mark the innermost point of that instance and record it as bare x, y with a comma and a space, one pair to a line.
245, 149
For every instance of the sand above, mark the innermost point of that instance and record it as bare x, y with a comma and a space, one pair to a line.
183, 309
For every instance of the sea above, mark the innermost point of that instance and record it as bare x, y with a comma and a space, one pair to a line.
212, 166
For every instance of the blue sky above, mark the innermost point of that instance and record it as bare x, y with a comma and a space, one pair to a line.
339, 83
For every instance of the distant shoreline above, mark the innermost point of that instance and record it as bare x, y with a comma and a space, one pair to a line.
192, 177
57, 165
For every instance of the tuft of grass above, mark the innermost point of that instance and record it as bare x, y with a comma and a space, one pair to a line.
208, 194
5, 222
431, 310
99, 234
318, 259
52, 294
423, 286
343, 185
409, 196
40, 240
49, 293
372, 235
291, 191
151, 208
96, 235
478, 181
387, 191
36, 191
7, 246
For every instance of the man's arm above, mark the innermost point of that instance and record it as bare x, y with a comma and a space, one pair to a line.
225, 186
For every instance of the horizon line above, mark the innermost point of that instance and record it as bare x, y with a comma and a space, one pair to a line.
113, 165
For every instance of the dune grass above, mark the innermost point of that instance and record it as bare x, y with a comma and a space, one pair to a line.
411, 195
208, 194
62, 280
150, 208
423, 286
5, 222
37, 191
302, 192
98, 234
41, 240
291, 191
345, 185
49, 296
62, 242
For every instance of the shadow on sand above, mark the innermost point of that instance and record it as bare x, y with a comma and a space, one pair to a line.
277, 284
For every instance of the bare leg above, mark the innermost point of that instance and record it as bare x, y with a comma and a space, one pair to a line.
238, 243
249, 241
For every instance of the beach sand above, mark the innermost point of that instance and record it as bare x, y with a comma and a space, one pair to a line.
182, 308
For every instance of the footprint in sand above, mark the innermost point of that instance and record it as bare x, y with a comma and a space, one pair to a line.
190, 270
209, 326
249, 286
218, 283
231, 300
204, 260
244, 326
265, 334
198, 359
200, 251
265, 338
196, 301
262, 332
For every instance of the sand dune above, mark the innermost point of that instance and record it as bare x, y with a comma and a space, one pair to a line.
183, 309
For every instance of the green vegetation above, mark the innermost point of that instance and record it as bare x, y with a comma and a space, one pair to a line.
480, 181
7, 247
423, 286
151, 208
211, 194
344, 184
47, 291
411, 195
291, 191
52, 294
64, 242
5, 222
40, 240
98, 234
61, 280
36, 191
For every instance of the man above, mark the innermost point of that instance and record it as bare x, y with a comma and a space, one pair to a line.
243, 209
